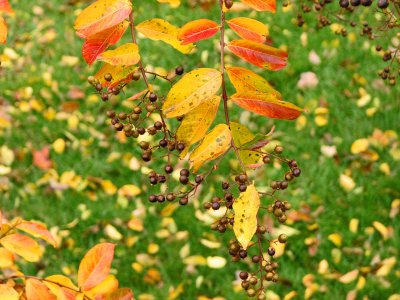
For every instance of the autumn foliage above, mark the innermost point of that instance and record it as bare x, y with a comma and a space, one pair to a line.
194, 100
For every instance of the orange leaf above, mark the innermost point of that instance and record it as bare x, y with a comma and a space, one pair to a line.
245, 80
261, 55
267, 105
121, 294
95, 266
120, 74
249, 29
8, 293
37, 290
101, 15
22, 245
3, 31
96, 44
261, 5
5, 6
62, 287
37, 230
197, 30
126, 55
41, 158
107, 286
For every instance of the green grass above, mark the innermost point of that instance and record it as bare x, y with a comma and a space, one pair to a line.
87, 154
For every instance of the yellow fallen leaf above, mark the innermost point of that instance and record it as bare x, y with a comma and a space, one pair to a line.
336, 239
347, 183
360, 283
112, 233
384, 168
323, 267
349, 277
359, 146
129, 190
153, 248
59, 145
173, 4
175, 292
353, 225
382, 229
216, 262
196, 260
108, 187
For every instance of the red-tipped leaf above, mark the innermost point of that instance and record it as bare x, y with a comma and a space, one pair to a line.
197, 30
249, 29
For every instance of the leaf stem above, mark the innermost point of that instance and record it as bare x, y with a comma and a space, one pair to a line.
224, 93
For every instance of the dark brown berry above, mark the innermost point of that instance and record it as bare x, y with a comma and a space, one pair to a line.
104, 97
184, 172
99, 87
243, 253
122, 116
184, 201
163, 143
216, 205
382, 4
256, 259
184, 179
179, 70
169, 169
180, 147
144, 145
141, 130
242, 188
207, 205
198, 179
160, 198
153, 97
170, 197
344, 3
282, 238
225, 185
283, 185
266, 159
111, 114
152, 198
153, 180
146, 156
158, 125
228, 3
278, 149
243, 275
137, 110
296, 172
271, 251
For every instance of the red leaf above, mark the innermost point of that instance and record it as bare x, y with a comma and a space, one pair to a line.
5, 6
96, 44
261, 5
95, 266
267, 105
100, 15
197, 30
261, 55
41, 158
249, 29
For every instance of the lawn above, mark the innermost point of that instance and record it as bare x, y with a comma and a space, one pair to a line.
45, 101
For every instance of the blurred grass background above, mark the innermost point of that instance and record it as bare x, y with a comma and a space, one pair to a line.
46, 102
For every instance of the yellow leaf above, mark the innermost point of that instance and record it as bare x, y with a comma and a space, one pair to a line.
279, 247
353, 225
3, 31
246, 81
336, 239
192, 90
38, 230
153, 248
161, 30
108, 187
120, 74
346, 182
120, 294
126, 55
59, 145
359, 146
216, 262
6, 258
100, 15
382, 229
246, 209
215, 143
129, 190
387, 266
107, 286
22, 245
349, 277
176, 292
196, 123
172, 3
59, 285
195, 260
8, 293
242, 135
112, 232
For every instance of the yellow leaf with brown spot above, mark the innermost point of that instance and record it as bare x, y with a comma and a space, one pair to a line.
246, 208
161, 30
192, 90
196, 123
22, 245
214, 144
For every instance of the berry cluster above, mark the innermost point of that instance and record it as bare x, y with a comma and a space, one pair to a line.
385, 26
